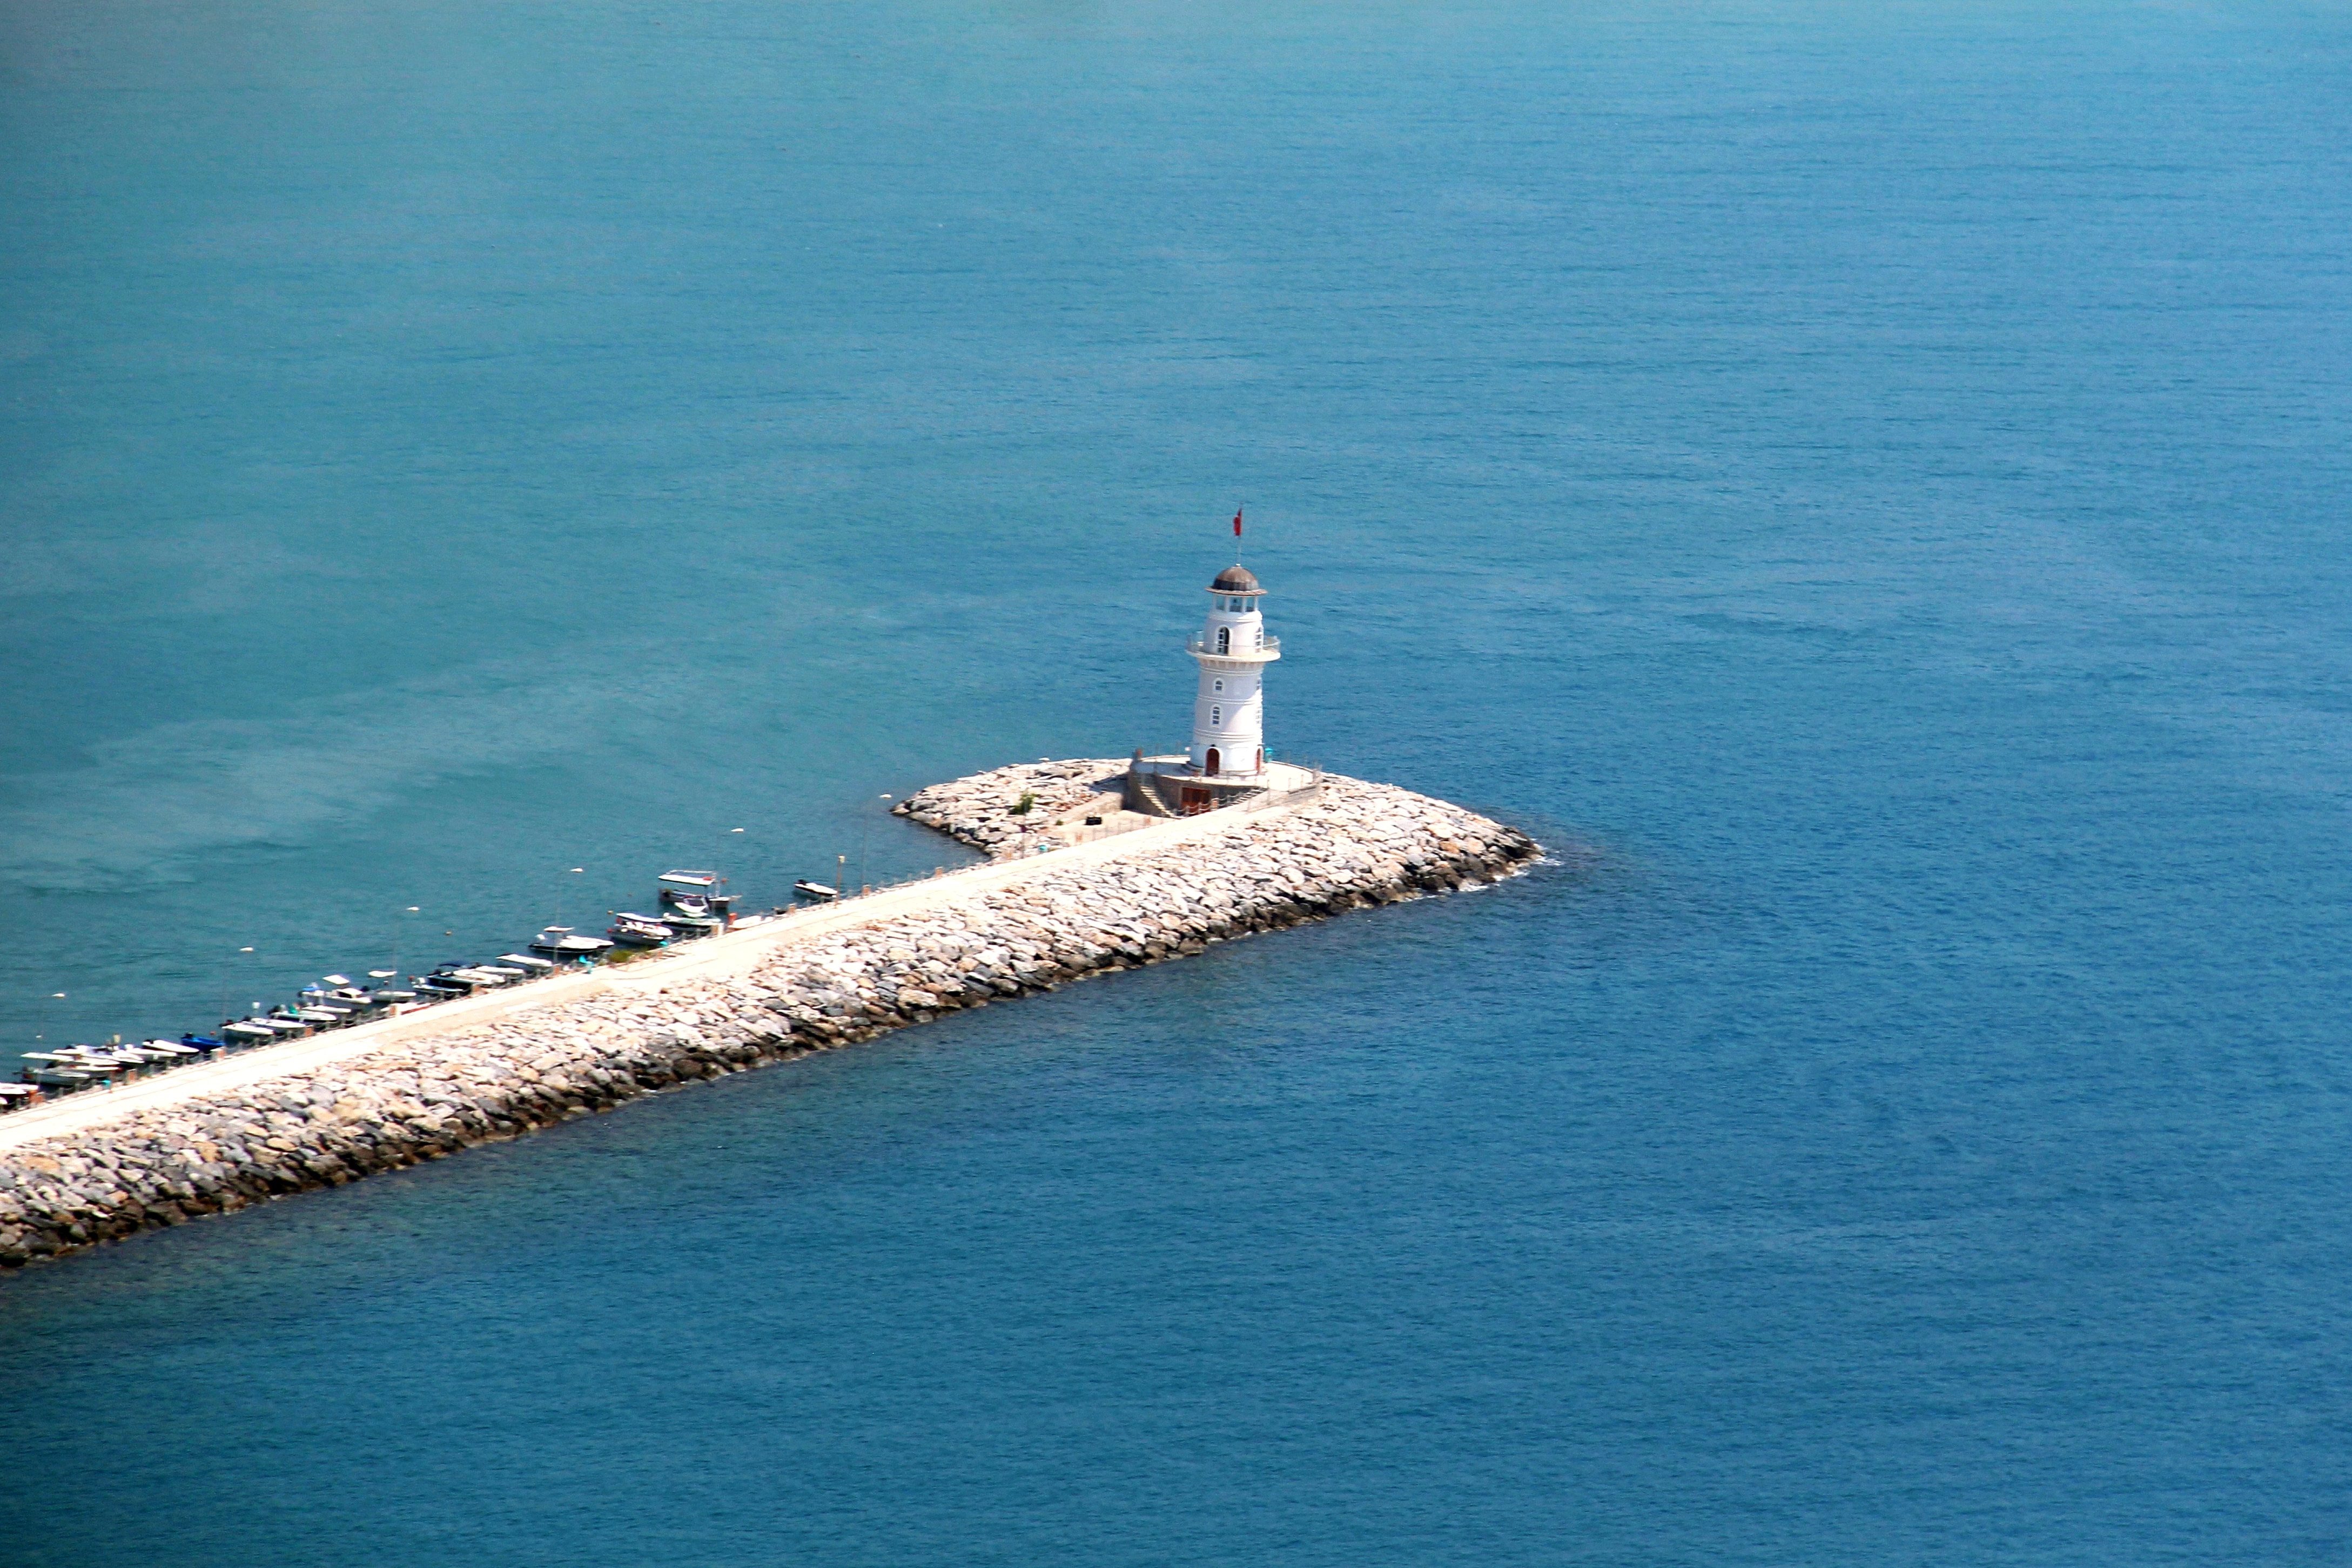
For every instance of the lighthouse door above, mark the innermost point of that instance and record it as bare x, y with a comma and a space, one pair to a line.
1213, 770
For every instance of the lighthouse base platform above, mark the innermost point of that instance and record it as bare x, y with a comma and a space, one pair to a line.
1171, 786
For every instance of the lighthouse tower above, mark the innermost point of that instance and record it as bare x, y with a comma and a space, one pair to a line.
1232, 652
1226, 764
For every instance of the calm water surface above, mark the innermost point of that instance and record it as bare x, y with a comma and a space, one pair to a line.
1866, 487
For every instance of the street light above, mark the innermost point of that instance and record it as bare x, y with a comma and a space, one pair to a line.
224, 964
412, 909
865, 837
560, 885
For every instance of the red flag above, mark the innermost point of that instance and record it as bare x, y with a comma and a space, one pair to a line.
1237, 522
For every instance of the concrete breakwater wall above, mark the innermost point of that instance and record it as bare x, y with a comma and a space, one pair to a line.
959, 941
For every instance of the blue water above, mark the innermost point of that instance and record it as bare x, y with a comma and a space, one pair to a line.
1866, 484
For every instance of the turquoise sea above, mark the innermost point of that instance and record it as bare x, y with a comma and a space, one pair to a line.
1866, 484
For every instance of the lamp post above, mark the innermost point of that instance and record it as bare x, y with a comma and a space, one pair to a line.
224, 988
560, 885
42, 1017
412, 909
865, 837
719, 871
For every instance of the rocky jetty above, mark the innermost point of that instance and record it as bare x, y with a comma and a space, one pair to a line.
997, 812
424, 1097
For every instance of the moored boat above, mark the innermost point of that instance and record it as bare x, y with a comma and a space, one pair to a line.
562, 942
638, 931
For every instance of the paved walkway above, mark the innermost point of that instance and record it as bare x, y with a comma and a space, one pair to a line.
736, 952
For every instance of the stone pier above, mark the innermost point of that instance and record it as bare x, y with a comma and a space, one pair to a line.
1062, 899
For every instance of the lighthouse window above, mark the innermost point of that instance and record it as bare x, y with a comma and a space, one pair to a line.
1221, 686
1216, 716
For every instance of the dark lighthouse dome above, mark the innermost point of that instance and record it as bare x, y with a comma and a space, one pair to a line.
1235, 579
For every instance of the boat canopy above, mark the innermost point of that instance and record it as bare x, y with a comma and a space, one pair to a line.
688, 878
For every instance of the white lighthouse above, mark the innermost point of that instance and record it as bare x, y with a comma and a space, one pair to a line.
1232, 652
1226, 764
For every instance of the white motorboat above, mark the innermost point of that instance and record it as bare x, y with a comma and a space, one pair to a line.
562, 942
638, 931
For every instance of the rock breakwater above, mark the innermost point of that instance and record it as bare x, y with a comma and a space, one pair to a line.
431, 1094
987, 810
